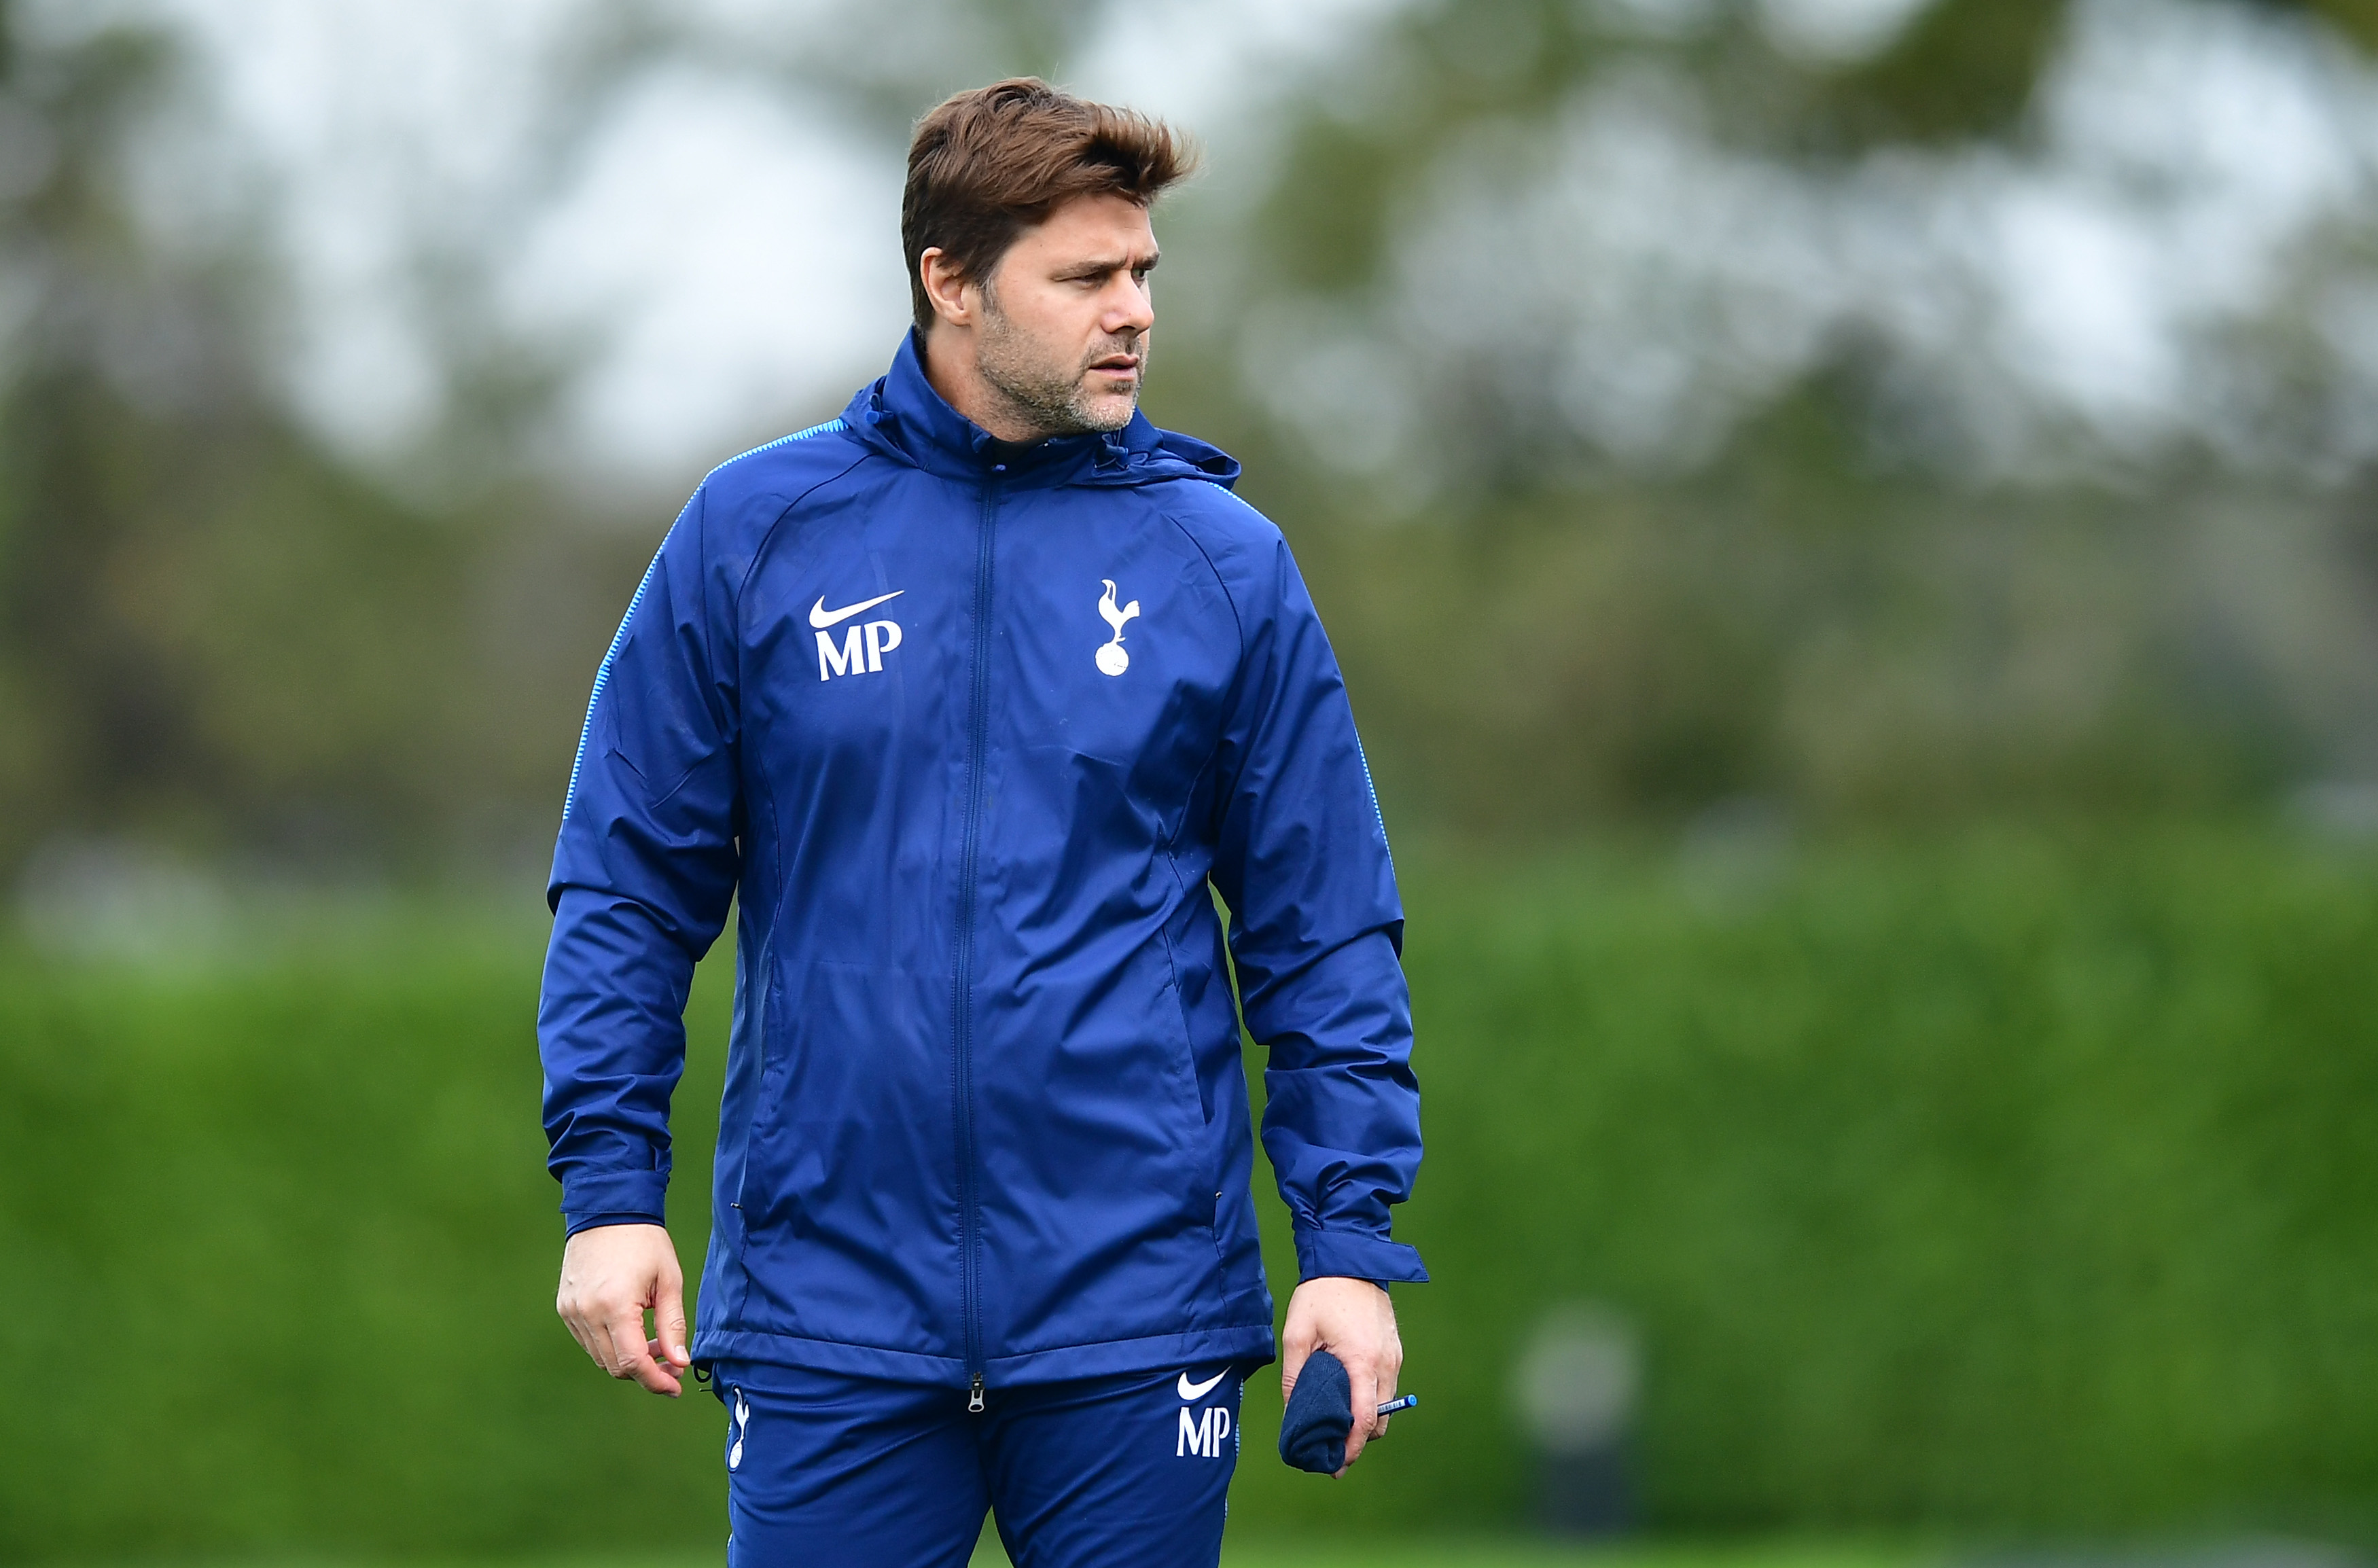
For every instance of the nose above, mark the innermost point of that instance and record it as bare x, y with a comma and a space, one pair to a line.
1131, 307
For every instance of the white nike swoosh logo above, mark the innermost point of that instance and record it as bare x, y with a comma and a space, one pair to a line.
1193, 1391
822, 617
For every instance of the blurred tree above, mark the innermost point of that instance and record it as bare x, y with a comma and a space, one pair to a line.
1821, 609
2358, 19
215, 631
209, 631
1963, 68
881, 76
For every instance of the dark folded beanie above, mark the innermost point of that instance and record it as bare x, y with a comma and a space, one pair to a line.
1320, 1415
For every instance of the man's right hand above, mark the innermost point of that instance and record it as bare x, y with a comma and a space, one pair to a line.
611, 1277
1353, 1320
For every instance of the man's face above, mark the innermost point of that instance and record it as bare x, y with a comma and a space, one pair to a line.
1066, 316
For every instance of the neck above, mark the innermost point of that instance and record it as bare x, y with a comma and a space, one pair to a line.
950, 366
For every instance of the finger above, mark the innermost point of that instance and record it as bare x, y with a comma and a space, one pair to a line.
573, 1302
574, 1319
1366, 1408
654, 1375
599, 1344
629, 1360
1390, 1373
668, 1321
1295, 1351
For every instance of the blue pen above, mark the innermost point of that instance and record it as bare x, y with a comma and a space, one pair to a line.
1406, 1403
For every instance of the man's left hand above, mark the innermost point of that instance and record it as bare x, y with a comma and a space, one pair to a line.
1353, 1320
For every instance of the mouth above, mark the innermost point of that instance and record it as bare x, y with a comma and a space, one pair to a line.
1124, 365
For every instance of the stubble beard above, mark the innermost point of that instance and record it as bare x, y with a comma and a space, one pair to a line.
1053, 397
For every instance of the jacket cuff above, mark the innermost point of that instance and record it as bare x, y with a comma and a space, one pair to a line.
1324, 1254
620, 1196
576, 1223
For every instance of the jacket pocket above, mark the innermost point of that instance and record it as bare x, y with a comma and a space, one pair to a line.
1196, 1101
767, 1098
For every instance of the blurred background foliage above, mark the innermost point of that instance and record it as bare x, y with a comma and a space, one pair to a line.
1860, 579
1850, 527
2007, 1187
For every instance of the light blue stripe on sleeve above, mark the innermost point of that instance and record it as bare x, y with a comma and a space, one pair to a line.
618, 637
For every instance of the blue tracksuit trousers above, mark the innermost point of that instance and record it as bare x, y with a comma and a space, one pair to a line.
859, 1473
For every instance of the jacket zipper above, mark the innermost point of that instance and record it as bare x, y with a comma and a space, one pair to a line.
962, 1023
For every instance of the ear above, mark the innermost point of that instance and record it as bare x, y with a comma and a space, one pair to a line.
952, 293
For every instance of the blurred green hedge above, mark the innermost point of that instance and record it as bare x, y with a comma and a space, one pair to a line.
2014, 1183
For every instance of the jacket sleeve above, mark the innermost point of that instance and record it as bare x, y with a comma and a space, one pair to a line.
1318, 934
643, 877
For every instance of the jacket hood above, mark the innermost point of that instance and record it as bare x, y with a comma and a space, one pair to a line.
902, 416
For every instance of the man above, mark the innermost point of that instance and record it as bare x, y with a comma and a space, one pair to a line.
966, 698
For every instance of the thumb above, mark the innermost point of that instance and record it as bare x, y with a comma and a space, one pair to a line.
669, 1319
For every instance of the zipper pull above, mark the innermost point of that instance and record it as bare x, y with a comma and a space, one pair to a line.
974, 1397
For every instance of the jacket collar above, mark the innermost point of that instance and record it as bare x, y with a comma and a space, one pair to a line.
902, 415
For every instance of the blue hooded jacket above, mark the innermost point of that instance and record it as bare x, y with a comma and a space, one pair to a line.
965, 731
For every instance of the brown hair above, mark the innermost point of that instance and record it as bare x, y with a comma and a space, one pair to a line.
987, 164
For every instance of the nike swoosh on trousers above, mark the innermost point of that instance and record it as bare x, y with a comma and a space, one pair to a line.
1199, 1390
822, 617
